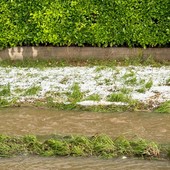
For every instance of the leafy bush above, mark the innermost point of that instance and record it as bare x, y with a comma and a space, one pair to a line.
79, 22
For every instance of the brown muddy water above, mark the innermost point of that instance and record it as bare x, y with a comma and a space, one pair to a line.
45, 122
41, 163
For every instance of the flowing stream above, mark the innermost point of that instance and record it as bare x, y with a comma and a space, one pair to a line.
45, 122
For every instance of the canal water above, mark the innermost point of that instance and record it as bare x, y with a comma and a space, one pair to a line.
41, 163
47, 122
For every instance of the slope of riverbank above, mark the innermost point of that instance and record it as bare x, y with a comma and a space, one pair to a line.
87, 86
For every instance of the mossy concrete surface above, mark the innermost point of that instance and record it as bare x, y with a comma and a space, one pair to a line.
48, 52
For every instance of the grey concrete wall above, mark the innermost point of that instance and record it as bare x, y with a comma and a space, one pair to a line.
82, 53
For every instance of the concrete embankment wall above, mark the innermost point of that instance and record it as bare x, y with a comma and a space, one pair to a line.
21, 53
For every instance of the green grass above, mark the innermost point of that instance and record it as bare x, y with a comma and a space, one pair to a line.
145, 86
8, 103
4, 102
75, 95
129, 75
32, 90
141, 90
168, 82
19, 90
164, 107
125, 90
118, 97
93, 97
75, 145
144, 61
149, 84
6, 90
102, 63
100, 68
38, 63
131, 81
131, 106
72, 106
130, 78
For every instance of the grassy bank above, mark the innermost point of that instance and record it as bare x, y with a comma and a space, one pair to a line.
43, 63
48, 103
164, 107
100, 145
92, 85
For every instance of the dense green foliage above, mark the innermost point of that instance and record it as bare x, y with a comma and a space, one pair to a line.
99, 145
85, 22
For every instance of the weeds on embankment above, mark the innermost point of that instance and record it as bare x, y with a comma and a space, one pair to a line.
99, 145
163, 108
104, 87
102, 63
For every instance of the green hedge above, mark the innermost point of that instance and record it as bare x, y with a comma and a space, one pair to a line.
85, 22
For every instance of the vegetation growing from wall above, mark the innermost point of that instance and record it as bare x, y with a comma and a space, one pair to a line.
91, 22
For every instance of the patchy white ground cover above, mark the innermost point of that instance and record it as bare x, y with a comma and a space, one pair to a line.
146, 84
